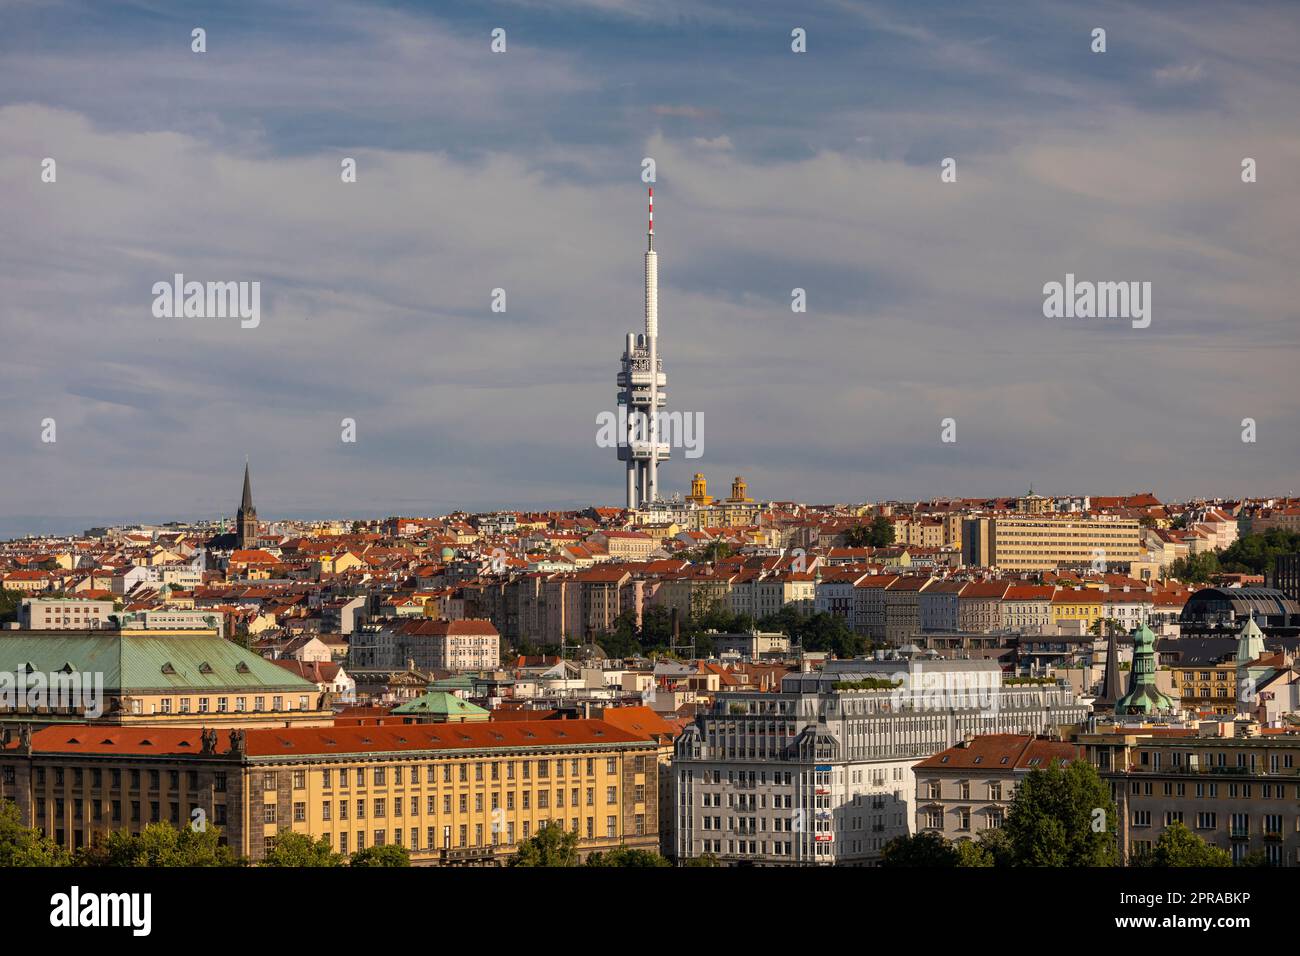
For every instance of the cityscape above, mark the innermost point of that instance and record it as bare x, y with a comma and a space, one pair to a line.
350, 520
715, 681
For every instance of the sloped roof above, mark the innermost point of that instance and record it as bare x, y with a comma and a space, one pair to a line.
300, 741
441, 703
138, 663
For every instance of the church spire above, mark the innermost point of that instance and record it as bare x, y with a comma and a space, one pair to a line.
246, 519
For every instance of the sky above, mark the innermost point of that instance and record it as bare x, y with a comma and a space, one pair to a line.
521, 170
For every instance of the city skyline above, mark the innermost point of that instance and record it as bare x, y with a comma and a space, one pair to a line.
521, 171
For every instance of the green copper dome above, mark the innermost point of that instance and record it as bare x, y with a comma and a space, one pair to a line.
1143, 696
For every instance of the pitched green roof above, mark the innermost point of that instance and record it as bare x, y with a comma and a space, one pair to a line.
138, 663
443, 704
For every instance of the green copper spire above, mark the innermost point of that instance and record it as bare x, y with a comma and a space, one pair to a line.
1143, 696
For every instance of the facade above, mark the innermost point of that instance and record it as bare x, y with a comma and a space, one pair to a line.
465, 645
820, 773
1045, 543
66, 613
1286, 575
1238, 793
969, 787
455, 793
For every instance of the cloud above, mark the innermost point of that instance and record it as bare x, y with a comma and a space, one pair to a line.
1179, 74
690, 112
924, 297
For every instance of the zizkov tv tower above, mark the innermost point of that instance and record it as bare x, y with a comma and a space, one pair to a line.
641, 394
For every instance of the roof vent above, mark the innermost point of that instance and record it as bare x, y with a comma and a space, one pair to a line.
243, 668
168, 669
205, 668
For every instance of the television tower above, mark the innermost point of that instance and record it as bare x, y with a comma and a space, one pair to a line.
641, 384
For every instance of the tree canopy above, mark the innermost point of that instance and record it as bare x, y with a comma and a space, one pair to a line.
1179, 846
24, 846
878, 533
299, 849
1062, 816
160, 844
388, 854
551, 845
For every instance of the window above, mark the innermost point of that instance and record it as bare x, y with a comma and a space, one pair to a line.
300, 780
611, 794
300, 812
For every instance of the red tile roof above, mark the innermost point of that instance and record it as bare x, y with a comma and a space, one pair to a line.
305, 741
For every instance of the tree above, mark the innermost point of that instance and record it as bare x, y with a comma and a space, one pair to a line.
626, 856
1254, 553
973, 853
299, 849
9, 601
1179, 846
994, 842
24, 846
878, 534
388, 854
921, 849
824, 631
1062, 816
1195, 568
552, 845
160, 844
706, 859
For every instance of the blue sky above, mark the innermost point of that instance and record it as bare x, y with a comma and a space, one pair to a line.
521, 171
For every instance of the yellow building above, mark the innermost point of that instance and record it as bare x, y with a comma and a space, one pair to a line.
1046, 543
464, 793
1077, 605
1207, 687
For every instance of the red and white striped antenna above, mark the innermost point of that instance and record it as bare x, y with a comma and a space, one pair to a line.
650, 228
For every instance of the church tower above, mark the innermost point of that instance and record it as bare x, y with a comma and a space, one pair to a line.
246, 520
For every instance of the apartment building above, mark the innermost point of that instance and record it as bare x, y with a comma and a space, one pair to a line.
821, 772
939, 606
903, 608
63, 613
969, 787
465, 645
1239, 793
979, 606
1044, 543
1027, 608
869, 605
464, 793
